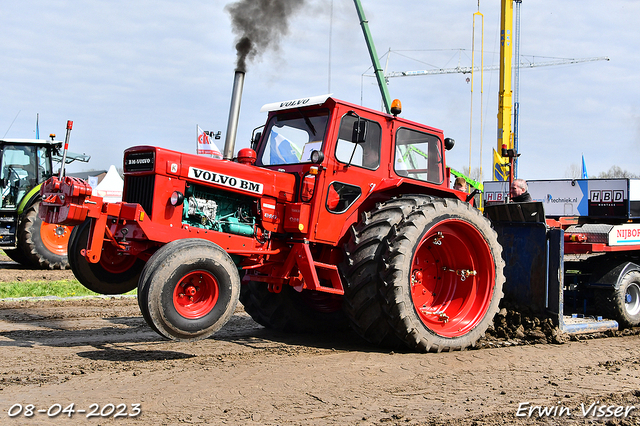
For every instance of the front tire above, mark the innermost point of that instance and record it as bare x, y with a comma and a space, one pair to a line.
191, 291
444, 278
113, 274
623, 303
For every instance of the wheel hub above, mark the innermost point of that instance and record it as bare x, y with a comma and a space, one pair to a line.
196, 294
451, 278
632, 299
55, 237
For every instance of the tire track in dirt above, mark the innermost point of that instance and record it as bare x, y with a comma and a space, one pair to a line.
100, 351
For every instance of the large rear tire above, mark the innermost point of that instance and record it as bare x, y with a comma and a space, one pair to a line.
44, 244
191, 291
291, 311
364, 265
443, 277
113, 274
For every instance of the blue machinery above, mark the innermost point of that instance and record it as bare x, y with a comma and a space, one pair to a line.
534, 271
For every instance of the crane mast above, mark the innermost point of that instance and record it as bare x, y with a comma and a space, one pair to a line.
505, 101
505, 155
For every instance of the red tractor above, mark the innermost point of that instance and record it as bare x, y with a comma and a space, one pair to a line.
337, 215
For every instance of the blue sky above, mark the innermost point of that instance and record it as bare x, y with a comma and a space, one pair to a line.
147, 72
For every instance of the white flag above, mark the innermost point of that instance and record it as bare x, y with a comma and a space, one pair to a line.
206, 146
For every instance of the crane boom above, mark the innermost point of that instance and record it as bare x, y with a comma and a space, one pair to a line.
468, 70
382, 83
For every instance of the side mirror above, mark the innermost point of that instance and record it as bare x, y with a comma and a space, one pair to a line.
359, 131
255, 140
449, 143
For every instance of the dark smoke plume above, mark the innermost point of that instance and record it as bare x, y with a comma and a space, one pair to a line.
259, 25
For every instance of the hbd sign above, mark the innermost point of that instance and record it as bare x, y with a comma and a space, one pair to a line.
606, 196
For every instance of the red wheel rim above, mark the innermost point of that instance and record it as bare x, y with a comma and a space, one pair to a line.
196, 294
55, 238
452, 277
115, 263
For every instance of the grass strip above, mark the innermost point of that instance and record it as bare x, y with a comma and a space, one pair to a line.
63, 288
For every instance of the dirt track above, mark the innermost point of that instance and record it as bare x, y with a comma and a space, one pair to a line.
100, 351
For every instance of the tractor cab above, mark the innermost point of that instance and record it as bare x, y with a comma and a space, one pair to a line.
26, 163
339, 135
344, 156
23, 165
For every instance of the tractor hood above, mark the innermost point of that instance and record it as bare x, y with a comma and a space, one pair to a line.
223, 174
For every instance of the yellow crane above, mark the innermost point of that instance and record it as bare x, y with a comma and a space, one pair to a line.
505, 155
505, 94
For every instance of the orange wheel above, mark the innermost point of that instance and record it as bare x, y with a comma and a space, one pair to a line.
44, 244
55, 237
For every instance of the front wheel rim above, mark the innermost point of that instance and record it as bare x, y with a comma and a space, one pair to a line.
452, 278
55, 237
196, 294
632, 299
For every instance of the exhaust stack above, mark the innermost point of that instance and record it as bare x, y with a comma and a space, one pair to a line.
234, 114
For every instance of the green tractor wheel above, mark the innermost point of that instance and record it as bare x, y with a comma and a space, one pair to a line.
43, 245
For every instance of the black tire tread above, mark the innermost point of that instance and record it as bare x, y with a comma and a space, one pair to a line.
363, 266
288, 311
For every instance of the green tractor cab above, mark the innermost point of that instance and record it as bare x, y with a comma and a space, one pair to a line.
24, 165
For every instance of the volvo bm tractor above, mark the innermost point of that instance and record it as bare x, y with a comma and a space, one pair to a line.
336, 216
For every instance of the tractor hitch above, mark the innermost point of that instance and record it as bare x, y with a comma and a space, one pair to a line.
66, 201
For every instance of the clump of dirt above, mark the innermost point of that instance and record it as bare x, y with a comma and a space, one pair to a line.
515, 325
512, 326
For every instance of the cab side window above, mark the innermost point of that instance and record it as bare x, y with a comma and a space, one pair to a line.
418, 155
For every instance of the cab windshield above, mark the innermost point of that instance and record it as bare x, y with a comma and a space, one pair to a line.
21, 168
291, 137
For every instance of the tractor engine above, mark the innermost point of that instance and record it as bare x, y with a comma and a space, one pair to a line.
217, 211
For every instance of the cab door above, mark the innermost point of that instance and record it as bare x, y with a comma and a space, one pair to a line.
357, 166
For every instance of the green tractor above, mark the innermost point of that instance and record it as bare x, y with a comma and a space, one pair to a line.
24, 165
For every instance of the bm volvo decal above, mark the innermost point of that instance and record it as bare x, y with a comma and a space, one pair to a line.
229, 181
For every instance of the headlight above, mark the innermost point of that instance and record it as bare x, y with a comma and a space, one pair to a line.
176, 198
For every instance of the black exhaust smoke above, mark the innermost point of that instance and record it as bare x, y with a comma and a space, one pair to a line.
258, 25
